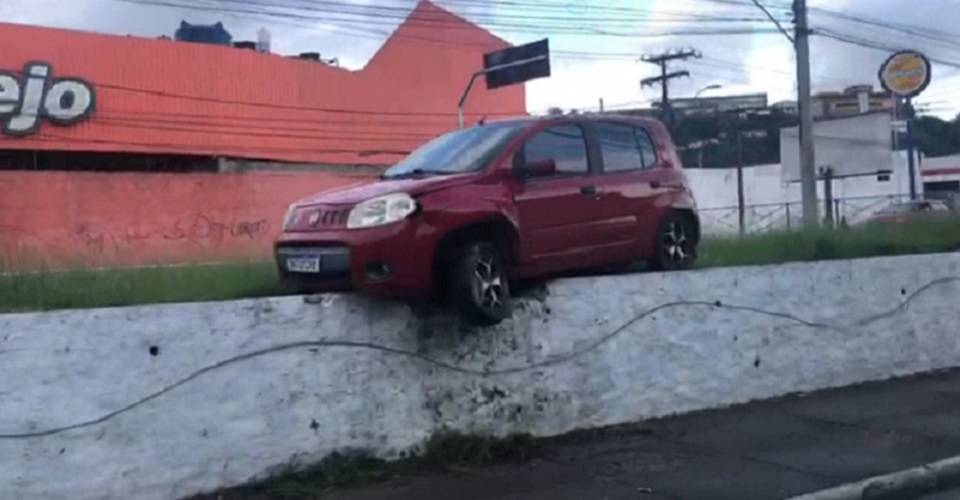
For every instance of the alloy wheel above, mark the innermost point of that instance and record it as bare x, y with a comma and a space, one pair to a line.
489, 283
676, 244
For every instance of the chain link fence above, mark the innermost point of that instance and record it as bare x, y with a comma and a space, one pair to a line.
767, 217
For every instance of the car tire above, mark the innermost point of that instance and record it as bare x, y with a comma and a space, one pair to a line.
477, 283
676, 246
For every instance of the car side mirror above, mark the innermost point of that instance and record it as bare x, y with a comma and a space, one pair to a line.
539, 168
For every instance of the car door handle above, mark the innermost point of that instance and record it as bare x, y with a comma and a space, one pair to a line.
655, 184
588, 190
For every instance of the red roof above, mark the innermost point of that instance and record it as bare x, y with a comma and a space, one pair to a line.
159, 96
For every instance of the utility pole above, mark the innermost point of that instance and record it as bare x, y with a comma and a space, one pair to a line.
828, 196
808, 169
664, 79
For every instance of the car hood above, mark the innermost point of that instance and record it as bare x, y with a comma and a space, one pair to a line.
356, 193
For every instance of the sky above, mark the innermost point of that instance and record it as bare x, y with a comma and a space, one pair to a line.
609, 34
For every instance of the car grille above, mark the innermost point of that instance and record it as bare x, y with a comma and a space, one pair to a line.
332, 217
318, 218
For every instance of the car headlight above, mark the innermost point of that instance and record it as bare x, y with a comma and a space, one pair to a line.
382, 210
288, 218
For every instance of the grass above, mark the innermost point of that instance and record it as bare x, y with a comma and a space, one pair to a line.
120, 287
919, 237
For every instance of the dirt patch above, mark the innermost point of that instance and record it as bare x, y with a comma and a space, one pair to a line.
441, 453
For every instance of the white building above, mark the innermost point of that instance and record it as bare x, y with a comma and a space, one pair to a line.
941, 179
772, 204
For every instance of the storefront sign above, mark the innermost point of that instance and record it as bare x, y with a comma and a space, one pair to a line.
28, 99
905, 74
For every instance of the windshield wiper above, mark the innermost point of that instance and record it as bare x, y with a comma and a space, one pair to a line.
417, 172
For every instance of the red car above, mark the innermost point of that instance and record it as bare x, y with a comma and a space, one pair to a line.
472, 209
910, 211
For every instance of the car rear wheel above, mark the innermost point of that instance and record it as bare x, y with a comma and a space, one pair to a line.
676, 247
478, 284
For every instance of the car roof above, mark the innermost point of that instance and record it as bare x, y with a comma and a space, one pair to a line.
913, 204
640, 120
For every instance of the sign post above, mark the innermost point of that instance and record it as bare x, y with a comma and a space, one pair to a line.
508, 67
905, 75
911, 151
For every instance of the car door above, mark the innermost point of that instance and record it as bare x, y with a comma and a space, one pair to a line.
629, 185
556, 211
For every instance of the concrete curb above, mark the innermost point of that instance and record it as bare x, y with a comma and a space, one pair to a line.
911, 483
211, 395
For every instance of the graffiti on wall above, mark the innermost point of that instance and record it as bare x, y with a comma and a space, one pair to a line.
198, 229
37, 95
81, 219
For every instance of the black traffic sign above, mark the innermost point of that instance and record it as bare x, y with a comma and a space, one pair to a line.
517, 64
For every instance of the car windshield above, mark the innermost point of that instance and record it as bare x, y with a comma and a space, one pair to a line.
457, 152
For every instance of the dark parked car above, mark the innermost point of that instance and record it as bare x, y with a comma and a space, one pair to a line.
475, 208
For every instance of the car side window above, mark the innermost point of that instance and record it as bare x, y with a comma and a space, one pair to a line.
647, 149
565, 145
619, 147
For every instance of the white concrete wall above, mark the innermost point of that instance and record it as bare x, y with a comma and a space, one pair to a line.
766, 195
87, 412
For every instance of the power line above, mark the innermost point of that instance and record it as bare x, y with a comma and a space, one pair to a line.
749, 68
270, 122
380, 11
201, 148
277, 106
421, 21
619, 13
193, 129
774, 20
871, 44
919, 32
663, 80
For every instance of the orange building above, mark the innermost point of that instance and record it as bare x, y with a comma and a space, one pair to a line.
174, 98
122, 105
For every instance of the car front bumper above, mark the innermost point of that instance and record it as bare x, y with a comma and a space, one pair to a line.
395, 259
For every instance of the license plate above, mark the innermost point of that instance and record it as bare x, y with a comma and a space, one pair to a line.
303, 264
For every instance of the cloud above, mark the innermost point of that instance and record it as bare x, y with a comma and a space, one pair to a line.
741, 63
117, 17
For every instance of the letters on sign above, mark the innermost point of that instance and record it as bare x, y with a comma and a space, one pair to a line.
25, 101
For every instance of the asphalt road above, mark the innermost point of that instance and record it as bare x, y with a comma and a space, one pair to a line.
771, 449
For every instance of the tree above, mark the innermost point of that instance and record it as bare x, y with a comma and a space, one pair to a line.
712, 138
936, 137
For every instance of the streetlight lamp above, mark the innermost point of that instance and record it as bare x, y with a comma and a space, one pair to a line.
715, 86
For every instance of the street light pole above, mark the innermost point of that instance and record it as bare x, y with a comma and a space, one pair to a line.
715, 86
473, 78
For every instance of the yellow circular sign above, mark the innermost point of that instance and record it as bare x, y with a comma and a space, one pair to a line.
906, 73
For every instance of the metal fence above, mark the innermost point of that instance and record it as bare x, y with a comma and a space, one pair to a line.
766, 217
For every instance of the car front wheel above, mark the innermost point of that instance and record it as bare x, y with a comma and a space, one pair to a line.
676, 244
478, 284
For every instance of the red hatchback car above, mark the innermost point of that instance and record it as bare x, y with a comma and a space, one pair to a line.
472, 209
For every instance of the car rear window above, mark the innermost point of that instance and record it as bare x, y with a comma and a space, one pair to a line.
564, 144
647, 148
625, 147
619, 147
